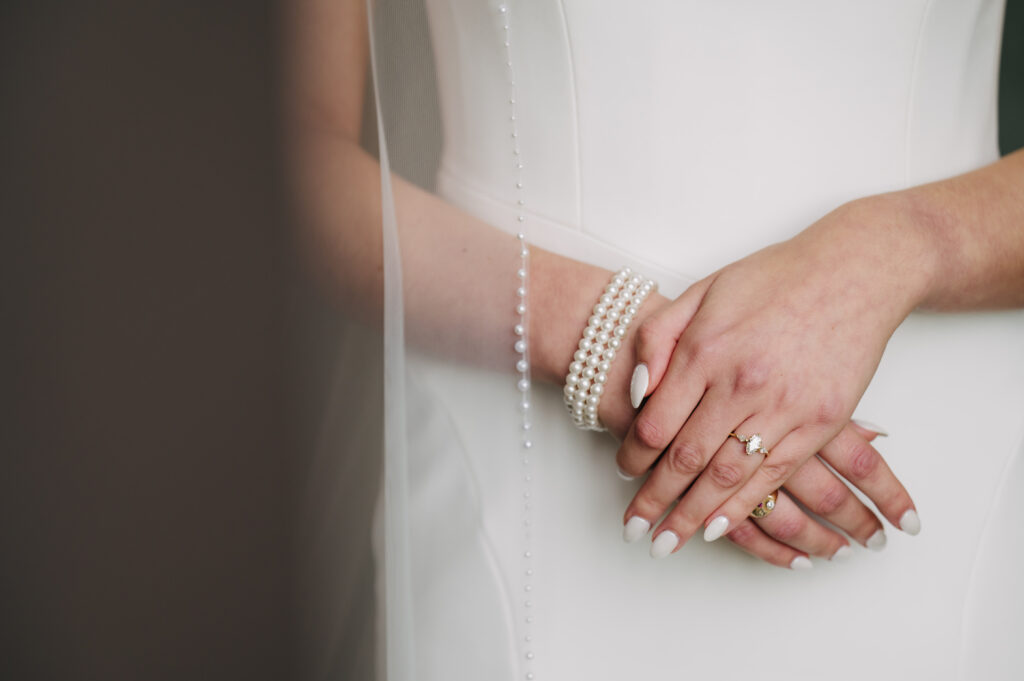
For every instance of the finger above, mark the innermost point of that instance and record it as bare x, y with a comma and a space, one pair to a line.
785, 457
751, 539
867, 430
656, 340
860, 463
727, 471
683, 461
662, 417
823, 493
788, 524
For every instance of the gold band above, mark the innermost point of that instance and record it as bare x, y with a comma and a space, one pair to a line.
766, 506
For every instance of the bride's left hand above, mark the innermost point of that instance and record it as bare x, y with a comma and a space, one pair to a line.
783, 344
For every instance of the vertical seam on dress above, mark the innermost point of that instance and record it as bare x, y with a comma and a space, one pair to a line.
912, 91
575, 116
972, 577
501, 578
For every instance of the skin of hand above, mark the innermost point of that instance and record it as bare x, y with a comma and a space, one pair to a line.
784, 342
788, 535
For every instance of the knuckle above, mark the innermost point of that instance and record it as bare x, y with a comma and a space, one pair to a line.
752, 376
863, 460
788, 529
685, 459
829, 410
725, 475
705, 349
831, 499
649, 433
774, 472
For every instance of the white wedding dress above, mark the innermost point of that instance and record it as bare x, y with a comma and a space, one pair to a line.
677, 136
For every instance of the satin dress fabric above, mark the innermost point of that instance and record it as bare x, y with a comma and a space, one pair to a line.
675, 137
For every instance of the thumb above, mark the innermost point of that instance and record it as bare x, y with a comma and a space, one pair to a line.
656, 339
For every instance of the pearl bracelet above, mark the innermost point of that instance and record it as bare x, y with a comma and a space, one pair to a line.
602, 338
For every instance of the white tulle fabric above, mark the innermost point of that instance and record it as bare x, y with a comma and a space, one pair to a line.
676, 136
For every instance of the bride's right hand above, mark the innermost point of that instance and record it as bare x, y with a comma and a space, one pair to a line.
788, 535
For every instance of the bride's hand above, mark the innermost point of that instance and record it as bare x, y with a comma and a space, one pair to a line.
783, 344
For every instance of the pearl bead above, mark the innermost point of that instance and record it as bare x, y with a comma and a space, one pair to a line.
522, 365
609, 353
520, 309
593, 360
524, 405
615, 343
597, 389
575, 367
583, 385
520, 346
585, 343
589, 372
600, 309
610, 324
600, 378
521, 291
604, 366
606, 299
518, 329
521, 273
593, 401
603, 337
580, 355
589, 332
524, 384
620, 332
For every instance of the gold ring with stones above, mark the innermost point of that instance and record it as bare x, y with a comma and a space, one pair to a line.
766, 506
754, 443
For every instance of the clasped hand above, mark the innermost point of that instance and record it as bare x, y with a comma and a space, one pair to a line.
781, 344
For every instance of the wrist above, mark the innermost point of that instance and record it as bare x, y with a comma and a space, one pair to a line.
885, 245
564, 295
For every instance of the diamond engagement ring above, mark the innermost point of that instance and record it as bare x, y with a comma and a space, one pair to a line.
753, 443
766, 506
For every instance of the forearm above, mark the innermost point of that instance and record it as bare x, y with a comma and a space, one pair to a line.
459, 274
968, 231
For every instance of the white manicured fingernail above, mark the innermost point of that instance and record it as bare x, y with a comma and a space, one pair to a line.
909, 522
867, 425
842, 553
624, 475
638, 384
876, 542
636, 527
801, 563
716, 528
664, 544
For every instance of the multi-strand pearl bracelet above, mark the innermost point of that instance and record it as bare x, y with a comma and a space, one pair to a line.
602, 338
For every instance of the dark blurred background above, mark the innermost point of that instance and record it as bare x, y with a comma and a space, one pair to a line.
156, 339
